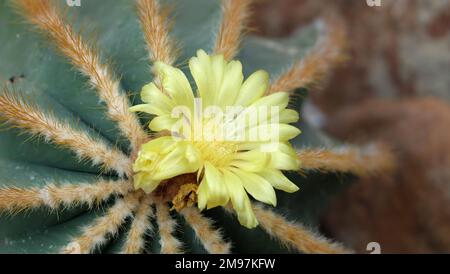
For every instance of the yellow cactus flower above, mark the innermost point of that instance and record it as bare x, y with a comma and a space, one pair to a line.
229, 132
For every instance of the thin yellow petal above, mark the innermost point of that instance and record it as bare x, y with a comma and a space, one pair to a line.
175, 163
218, 67
253, 88
257, 186
284, 158
288, 116
143, 108
250, 146
202, 194
279, 99
265, 109
218, 194
231, 85
200, 67
150, 152
145, 182
272, 132
192, 154
161, 103
251, 161
176, 84
277, 179
161, 123
288, 132
161, 144
235, 189
240, 200
209, 75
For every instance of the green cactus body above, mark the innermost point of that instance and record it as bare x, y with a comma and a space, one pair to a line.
53, 85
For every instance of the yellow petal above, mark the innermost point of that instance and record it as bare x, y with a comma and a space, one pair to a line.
288, 116
200, 67
145, 163
145, 182
251, 161
288, 132
216, 189
218, 68
253, 88
202, 194
143, 108
264, 109
175, 84
284, 158
240, 201
175, 168
151, 151
161, 104
164, 158
192, 154
277, 179
161, 123
278, 99
162, 145
231, 85
272, 132
175, 163
257, 186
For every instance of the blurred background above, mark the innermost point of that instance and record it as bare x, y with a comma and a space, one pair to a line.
394, 89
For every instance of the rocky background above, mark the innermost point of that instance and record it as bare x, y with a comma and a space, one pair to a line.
394, 89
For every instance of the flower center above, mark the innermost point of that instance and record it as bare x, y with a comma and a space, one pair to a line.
217, 153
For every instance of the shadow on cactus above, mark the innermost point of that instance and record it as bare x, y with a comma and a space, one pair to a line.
97, 180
